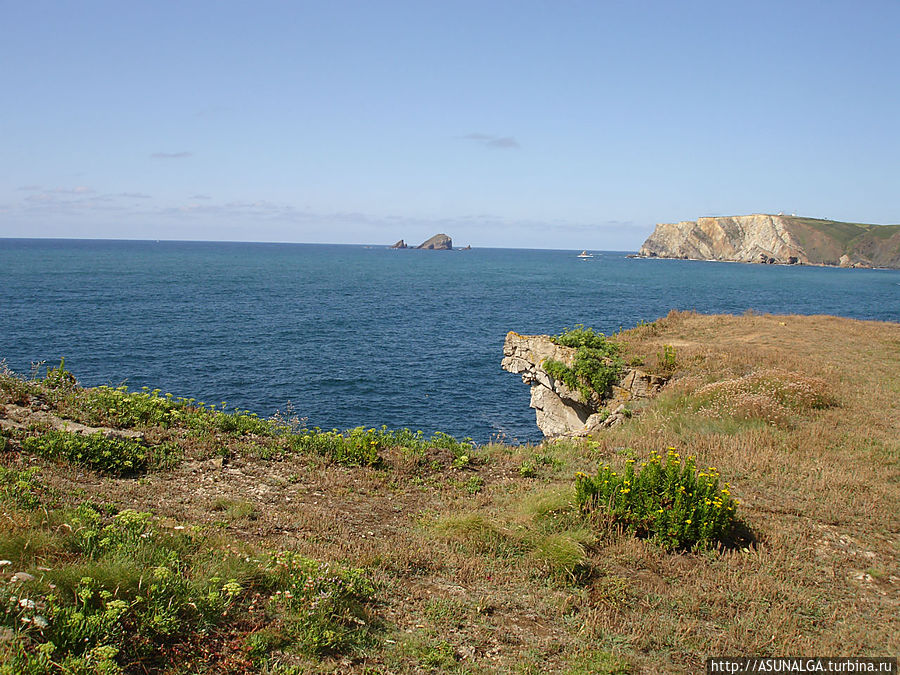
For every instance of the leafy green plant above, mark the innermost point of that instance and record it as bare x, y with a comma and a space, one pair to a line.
665, 499
363, 447
326, 603
114, 456
59, 377
354, 447
474, 484
118, 407
527, 469
597, 364
666, 358
24, 488
241, 422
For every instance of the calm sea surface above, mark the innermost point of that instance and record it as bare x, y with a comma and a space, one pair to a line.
353, 335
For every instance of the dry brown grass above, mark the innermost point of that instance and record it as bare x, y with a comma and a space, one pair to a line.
806, 431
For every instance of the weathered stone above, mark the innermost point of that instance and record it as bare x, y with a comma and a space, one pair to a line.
19, 417
554, 416
560, 411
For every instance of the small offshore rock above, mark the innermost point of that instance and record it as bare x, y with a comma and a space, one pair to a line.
439, 242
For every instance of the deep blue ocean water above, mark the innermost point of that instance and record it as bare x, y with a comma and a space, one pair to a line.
355, 335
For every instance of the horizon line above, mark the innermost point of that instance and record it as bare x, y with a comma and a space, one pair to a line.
295, 243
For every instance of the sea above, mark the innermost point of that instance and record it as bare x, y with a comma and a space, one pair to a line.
345, 336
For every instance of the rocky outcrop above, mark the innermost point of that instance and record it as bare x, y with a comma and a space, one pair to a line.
788, 240
22, 418
757, 238
439, 242
560, 411
399, 244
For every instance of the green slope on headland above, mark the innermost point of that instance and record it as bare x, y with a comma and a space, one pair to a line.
826, 241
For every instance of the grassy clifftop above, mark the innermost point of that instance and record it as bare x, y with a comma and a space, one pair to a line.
827, 240
142, 533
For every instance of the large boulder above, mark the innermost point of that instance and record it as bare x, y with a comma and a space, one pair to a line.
561, 411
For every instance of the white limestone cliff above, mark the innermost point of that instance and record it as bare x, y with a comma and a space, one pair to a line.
756, 238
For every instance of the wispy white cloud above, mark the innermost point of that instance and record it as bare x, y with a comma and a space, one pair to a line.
77, 190
184, 154
133, 195
492, 141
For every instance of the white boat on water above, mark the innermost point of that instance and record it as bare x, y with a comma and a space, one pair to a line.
585, 254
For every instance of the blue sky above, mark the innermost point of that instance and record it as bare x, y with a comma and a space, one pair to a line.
563, 124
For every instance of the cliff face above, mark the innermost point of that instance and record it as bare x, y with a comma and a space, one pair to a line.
777, 239
559, 410
757, 238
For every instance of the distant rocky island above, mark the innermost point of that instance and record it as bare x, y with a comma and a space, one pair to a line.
439, 242
777, 239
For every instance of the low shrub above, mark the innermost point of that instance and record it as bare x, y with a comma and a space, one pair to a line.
118, 407
113, 456
241, 422
363, 447
356, 447
326, 604
23, 488
59, 377
773, 396
665, 499
597, 366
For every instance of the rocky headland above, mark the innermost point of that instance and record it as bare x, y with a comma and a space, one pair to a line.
778, 239
560, 410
